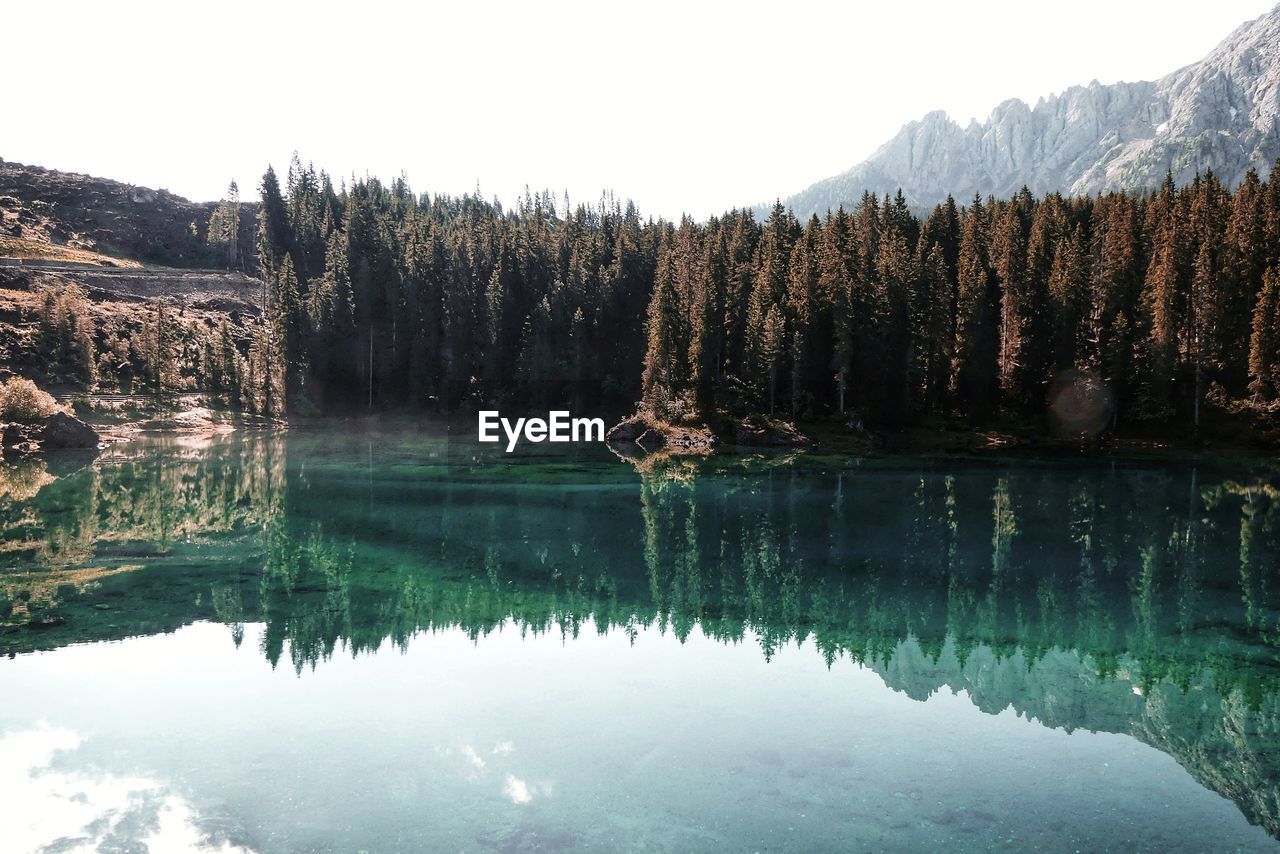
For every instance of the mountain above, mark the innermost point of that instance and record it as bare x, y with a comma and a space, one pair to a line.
1221, 113
46, 213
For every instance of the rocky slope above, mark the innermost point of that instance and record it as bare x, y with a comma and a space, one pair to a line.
84, 213
1222, 113
110, 254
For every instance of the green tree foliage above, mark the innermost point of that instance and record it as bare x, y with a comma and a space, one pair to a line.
274, 237
976, 310
373, 296
378, 297
157, 349
974, 374
224, 226
837, 293
67, 335
1264, 343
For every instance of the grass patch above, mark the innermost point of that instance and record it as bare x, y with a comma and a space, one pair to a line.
34, 250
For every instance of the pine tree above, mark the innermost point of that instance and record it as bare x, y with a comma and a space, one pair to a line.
693, 343
264, 388
1245, 260
1049, 228
305, 207
771, 350
896, 279
661, 364
1201, 316
837, 266
768, 292
740, 250
1264, 343
1009, 264
1160, 303
224, 226
706, 307
936, 330
156, 349
66, 336
223, 363
974, 376
1069, 285
1110, 322
273, 224
1216, 335
801, 311
289, 328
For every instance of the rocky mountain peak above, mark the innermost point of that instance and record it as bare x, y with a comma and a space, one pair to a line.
1221, 113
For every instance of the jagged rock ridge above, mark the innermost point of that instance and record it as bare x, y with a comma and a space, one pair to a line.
1221, 113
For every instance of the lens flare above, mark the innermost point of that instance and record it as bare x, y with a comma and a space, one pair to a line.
1080, 403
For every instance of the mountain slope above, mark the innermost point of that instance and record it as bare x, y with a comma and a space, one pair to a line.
69, 213
1220, 113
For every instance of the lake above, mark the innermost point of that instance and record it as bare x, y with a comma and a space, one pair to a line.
337, 641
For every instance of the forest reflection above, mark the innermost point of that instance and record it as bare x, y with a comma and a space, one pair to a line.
1140, 599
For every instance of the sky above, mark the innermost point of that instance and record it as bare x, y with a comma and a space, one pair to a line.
685, 107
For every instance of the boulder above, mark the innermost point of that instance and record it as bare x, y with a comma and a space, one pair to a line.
757, 431
651, 440
697, 439
651, 434
627, 430
61, 430
16, 434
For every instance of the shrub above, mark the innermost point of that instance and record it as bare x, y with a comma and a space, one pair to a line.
22, 400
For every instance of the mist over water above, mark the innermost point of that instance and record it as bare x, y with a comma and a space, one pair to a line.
393, 642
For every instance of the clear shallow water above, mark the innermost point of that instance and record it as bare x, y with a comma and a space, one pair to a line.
334, 642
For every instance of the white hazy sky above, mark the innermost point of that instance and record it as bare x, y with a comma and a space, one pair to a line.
683, 106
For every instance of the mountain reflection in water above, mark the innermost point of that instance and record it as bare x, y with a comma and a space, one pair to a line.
1138, 599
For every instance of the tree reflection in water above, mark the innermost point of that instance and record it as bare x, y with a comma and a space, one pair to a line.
1140, 599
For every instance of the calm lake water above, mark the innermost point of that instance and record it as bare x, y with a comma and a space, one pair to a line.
342, 642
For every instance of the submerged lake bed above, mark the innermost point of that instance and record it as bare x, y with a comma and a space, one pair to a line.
333, 642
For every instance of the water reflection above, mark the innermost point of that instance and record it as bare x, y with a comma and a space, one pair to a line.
1135, 599
65, 810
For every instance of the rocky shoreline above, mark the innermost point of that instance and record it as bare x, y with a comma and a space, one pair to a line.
644, 432
59, 431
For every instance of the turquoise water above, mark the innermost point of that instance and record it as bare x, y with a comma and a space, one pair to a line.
337, 642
